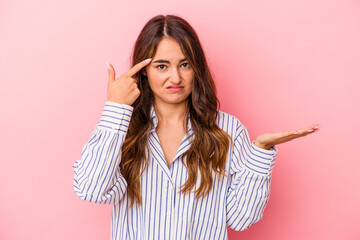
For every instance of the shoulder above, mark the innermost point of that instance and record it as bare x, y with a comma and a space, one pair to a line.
229, 123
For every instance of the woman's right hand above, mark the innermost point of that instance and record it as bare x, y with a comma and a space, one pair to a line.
124, 90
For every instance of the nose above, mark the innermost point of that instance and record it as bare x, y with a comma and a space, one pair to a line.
175, 77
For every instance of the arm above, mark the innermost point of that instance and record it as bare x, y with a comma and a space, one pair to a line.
250, 172
97, 176
97, 173
250, 177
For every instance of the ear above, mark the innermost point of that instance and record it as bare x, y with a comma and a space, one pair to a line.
143, 71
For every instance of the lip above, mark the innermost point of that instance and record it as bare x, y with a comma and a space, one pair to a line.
174, 88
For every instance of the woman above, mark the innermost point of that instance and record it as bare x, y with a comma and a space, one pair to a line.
173, 165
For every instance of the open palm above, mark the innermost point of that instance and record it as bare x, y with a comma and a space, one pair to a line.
268, 140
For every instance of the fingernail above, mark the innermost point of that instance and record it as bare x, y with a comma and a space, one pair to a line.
148, 60
296, 132
108, 66
310, 130
316, 127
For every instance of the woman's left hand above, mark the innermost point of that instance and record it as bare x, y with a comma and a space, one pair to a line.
268, 140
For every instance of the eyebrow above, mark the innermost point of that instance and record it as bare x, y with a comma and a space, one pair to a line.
166, 61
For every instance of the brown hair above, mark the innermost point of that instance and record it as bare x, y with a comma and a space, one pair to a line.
210, 145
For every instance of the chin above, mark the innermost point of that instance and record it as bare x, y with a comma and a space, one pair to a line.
174, 101
177, 102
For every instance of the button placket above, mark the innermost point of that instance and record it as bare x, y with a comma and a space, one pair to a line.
170, 211
170, 199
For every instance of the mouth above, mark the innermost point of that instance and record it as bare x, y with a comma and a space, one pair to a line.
175, 88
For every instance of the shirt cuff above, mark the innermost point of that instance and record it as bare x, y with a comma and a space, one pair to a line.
261, 160
116, 116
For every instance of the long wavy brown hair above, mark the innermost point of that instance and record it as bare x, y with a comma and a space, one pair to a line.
210, 144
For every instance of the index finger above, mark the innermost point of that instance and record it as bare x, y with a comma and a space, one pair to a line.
138, 67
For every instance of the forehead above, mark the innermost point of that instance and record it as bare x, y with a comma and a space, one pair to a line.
168, 49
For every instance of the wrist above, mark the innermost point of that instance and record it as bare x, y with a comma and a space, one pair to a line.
263, 146
116, 101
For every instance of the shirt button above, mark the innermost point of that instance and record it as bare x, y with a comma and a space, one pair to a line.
168, 213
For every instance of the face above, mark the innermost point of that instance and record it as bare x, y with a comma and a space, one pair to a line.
169, 74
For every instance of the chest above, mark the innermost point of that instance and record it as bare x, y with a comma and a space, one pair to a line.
170, 141
164, 206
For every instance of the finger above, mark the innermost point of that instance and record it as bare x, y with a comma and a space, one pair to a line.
309, 129
111, 72
314, 128
290, 137
138, 67
301, 134
297, 133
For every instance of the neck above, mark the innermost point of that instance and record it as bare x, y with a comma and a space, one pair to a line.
171, 114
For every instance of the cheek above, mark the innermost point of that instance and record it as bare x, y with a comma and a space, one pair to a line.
189, 74
189, 77
155, 79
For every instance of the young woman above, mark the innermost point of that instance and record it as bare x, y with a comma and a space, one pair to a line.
173, 165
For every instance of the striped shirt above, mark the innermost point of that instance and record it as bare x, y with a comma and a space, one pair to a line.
237, 200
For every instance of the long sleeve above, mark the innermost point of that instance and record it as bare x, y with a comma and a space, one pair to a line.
249, 190
97, 176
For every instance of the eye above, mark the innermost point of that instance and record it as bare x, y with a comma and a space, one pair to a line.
161, 67
186, 65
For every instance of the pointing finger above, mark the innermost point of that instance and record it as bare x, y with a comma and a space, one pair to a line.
138, 67
111, 72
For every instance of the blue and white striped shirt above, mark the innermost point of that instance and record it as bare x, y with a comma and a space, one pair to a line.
237, 200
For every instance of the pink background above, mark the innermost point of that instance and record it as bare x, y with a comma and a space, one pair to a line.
279, 65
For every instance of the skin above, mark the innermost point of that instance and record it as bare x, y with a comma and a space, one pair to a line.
170, 78
170, 75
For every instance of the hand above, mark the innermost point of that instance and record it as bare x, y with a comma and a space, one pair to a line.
268, 140
124, 90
